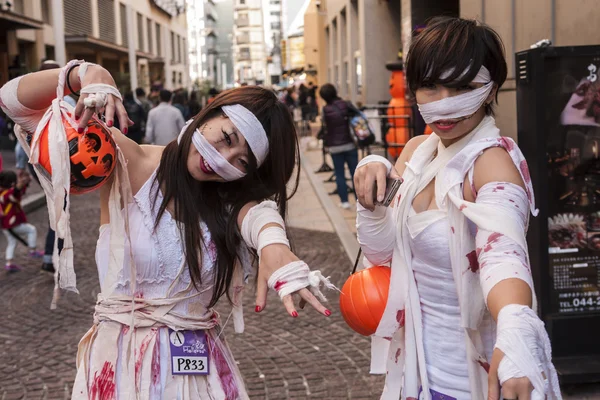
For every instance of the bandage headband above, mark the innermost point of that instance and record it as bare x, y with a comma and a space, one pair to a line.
252, 130
462, 105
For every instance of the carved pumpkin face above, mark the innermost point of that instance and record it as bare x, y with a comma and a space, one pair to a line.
92, 154
397, 89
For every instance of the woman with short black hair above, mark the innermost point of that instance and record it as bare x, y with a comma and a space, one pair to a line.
459, 320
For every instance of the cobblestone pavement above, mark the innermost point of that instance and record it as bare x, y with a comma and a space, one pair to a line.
280, 358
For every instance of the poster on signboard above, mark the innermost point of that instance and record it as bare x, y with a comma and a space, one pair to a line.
573, 151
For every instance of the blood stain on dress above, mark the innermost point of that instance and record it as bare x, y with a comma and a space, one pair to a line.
103, 386
525, 172
484, 365
278, 285
508, 144
462, 207
156, 362
397, 356
473, 261
452, 228
400, 317
142, 352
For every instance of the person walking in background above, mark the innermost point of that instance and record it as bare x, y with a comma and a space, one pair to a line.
312, 102
141, 96
14, 221
136, 114
338, 139
179, 103
164, 121
194, 105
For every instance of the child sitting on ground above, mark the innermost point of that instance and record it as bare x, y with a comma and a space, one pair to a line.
13, 220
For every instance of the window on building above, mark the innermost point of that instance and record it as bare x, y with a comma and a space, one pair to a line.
19, 8
173, 46
178, 48
244, 53
150, 36
181, 78
140, 32
275, 2
185, 50
106, 20
78, 17
174, 78
242, 2
276, 26
123, 11
46, 12
158, 40
358, 67
275, 13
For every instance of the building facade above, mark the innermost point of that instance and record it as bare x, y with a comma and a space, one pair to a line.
358, 37
249, 50
273, 27
101, 31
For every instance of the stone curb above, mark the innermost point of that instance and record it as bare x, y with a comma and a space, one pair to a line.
33, 202
346, 236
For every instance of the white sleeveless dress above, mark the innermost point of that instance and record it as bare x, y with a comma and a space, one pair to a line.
158, 256
443, 336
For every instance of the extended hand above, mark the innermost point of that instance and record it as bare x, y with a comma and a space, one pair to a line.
365, 179
274, 257
114, 106
512, 389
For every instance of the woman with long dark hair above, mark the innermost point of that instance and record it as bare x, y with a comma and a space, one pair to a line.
183, 234
459, 320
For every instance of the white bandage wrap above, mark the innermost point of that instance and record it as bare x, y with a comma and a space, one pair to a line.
248, 125
459, 106
374, 158
256, 219
251, 128
522, 338
272, 235
98, 95
295, 276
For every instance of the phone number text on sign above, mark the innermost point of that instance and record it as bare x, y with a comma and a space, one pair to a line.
580, 304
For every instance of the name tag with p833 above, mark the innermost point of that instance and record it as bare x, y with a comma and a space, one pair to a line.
189, 352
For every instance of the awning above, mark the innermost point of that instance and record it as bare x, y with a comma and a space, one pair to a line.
94, 43
10, 21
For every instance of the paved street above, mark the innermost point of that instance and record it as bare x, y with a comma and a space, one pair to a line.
280, 358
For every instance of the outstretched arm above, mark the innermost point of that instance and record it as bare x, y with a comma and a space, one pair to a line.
263, 229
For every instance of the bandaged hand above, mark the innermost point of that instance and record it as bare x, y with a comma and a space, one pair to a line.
99, 93
372, 170
521, 363
279, 268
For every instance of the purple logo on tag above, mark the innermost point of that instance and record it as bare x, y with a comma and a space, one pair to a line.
189, 352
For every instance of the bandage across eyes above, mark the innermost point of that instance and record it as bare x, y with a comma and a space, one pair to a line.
252, 130
459, 106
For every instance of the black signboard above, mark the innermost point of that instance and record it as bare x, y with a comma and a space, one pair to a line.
558, 106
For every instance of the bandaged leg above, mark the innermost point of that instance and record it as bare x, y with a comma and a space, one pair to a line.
293, 276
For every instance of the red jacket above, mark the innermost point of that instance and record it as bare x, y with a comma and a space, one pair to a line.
10, 208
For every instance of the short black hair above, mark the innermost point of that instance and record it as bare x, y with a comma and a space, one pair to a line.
165, 95
140, 92
128, 96
328, 92
7, 179
459, 44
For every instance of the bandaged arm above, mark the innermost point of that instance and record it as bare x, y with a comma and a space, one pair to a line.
520, 333
26, 98
375, 229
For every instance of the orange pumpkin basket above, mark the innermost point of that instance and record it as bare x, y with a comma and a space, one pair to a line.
364, 297
92, 154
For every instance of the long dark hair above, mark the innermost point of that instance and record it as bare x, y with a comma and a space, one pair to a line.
458, 43
218, 204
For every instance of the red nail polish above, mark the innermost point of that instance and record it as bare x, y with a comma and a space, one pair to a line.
76, 117
109, 123
294, 314
327, 312
124, 131
257, 309
79, 130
